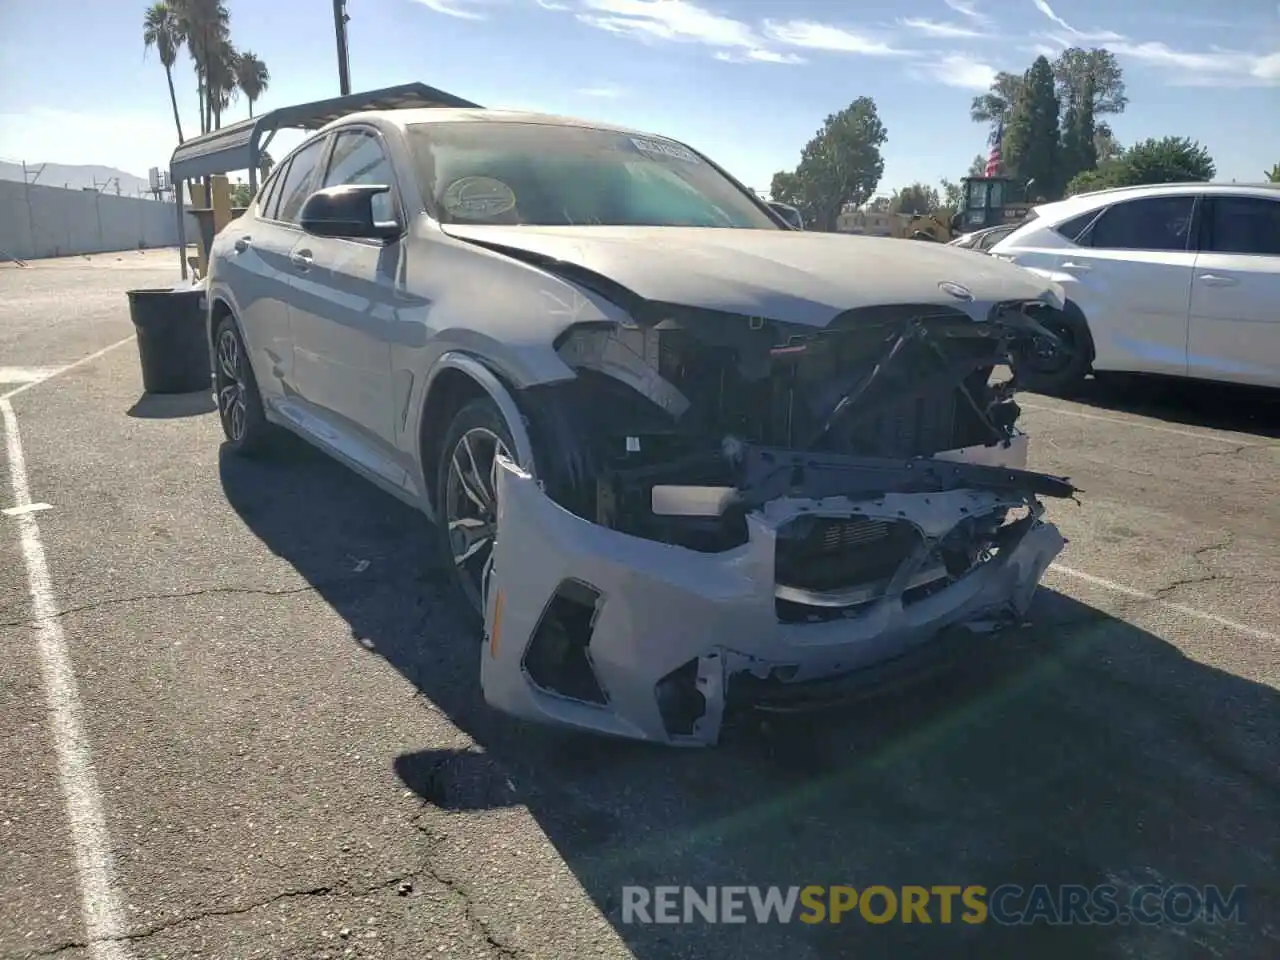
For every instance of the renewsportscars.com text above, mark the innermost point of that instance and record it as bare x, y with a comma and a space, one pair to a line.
1008, 904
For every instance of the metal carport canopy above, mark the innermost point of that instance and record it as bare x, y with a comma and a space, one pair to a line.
239, 146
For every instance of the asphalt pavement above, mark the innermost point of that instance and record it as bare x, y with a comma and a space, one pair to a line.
269, 740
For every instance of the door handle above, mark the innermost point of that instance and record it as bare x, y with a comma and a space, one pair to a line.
242, 244
1213, 280
1080, 267
302, 259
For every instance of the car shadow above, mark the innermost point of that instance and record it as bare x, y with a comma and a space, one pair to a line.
171, 406
1218, 406
1079, 749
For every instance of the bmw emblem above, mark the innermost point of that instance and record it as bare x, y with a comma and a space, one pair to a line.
956, 290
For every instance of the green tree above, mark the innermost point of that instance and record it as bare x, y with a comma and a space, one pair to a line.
997, 103
1273, 174
952, 194
841, 166
160, 29
1076, 68
1031, 138
1167, 160
978, 168
917, 198
252, 77
1089, 84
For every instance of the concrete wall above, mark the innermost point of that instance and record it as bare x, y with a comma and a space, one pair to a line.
39, 221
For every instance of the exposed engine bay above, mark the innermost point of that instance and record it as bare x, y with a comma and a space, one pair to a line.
723, 403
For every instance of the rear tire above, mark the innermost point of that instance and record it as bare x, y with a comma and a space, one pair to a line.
466, 499
1043, 367
236, 391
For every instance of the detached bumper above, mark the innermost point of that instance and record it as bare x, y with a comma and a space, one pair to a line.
656, 641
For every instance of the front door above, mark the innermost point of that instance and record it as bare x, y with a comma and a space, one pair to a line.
1235, 293
345, 309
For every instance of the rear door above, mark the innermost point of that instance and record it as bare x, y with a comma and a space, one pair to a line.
1130, 272
345, 309
253, 264
1235, 292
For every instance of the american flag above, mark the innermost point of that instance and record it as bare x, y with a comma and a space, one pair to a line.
993, 158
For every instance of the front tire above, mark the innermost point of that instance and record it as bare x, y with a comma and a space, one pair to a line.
467, 498
1044, 367
236, 390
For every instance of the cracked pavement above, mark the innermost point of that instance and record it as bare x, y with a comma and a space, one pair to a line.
284, 715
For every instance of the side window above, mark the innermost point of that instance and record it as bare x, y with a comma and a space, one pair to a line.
298, 179
358, 158
1071, 229
1153, 223
1249, 225
270, 193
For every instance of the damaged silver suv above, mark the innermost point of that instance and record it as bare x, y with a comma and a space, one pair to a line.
685, 459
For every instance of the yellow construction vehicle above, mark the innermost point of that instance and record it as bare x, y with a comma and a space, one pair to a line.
986, 203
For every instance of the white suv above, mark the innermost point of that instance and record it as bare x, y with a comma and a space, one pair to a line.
1179, 279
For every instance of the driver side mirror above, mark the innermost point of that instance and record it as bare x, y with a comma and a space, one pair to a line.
346, 212
788, 213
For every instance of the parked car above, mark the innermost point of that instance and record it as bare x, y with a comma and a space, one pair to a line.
683, 458
983, 240
1180, 279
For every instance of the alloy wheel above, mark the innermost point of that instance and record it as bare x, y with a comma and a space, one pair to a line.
230, 383
471, 508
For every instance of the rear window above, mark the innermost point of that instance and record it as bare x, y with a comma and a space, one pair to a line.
1152, 223
499, 172
1071, 229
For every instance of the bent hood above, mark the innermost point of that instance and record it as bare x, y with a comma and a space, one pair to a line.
783, 275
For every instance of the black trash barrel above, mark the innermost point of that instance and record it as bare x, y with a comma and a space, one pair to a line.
172, 344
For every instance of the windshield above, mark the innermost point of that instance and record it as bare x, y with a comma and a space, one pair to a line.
482, 172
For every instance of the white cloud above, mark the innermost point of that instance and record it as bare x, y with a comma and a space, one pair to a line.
1101, 36
734, 41
1217, 67
820, 36
553, 5
681, 22
759, 56
462, 9
957, 70
934, 28
967, 9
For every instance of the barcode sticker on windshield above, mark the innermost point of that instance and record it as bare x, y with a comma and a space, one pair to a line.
666, 149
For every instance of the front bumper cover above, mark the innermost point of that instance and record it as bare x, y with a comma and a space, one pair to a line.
658, 612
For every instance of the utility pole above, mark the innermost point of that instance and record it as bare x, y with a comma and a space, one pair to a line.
340, 19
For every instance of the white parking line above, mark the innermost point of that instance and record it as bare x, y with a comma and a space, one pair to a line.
25, 374
51, 372
100, 906
1123, 421
1182, 608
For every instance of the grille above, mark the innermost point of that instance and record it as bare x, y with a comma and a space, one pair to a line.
842, 553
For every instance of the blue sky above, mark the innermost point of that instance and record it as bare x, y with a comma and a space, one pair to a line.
747, 81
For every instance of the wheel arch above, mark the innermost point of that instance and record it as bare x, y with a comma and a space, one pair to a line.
456, 379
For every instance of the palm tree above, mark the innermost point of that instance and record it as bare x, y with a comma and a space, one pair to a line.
160, 29
220, 80
252, 77
206, 25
